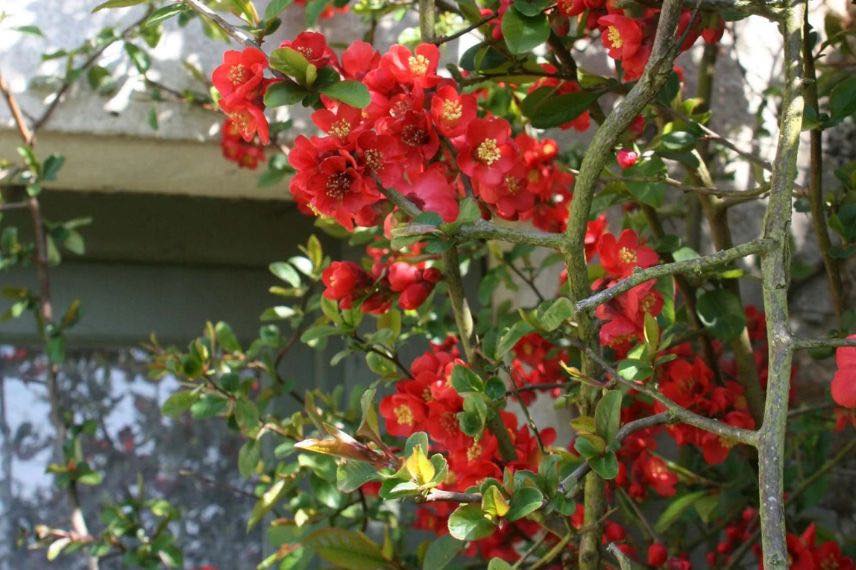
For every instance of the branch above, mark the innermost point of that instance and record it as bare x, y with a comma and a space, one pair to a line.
695, 265
483, 229
815, 181
775, 271
231, 30
441, 496
568, 485
744, 436
93, 57
45, 318
464, 31
811, 343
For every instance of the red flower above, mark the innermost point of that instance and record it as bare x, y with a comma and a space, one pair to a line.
345, 281
241, 75
247, 118
433, 193
843, 385
381, 156
486, 154
621, 36
341, 122
621, 256
417, 68
404, 414
313, 46
715, 448
358, 60
451, 111
626, 158
657, 554
511, 196
339, 190
656, 474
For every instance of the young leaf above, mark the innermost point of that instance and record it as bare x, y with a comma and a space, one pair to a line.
117, 4
347, 549
721, 313
675, 509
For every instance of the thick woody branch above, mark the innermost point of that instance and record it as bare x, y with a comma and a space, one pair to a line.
697, 265
775, 280
656, 71
483, 229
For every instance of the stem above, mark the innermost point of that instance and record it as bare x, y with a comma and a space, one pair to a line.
810, 343
427, 19
815, 181
599, 151
45, 318
697, 265
717, 219
775, 270
232, 31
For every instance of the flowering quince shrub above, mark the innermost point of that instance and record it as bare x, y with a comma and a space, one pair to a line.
446, 180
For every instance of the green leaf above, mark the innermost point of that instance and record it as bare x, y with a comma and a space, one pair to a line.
207, 406
545, 108
117, 4
32, 30
634, 369
267, 501
606, 466
276, 7
289, 61
139, 58
675, 509
164, 13
557, 313
607, 415
465, 380
441, 552
350, 92
52, 166
531, 8
721, 313
56, 548
178, 403
248, 458
246, 415
285, 271
313, 11
523, 33
467, 522
351, 475
589, 445
284, 93
499, 564
842, 99
524, 501
347, 549
420, 438
510, 337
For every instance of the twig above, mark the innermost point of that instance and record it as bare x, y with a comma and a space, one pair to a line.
464, 31
231, 30
811, 343
695, 265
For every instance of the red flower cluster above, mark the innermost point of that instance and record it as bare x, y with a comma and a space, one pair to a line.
241, 83
629, 39
391, 275
536, 361
235, 148
806, 555
688, 381
624, 316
